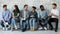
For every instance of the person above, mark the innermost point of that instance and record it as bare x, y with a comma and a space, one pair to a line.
15, 17
33, 18
24, 18
54, 17
6, 17
42, 18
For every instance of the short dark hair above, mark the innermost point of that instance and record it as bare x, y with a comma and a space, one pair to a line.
4, 6
54, 4
41, 6
34, 7
25, 5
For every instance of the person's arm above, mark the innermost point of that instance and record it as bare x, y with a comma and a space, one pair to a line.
3, 16
9, 15
18, 13
13, 14
57, 14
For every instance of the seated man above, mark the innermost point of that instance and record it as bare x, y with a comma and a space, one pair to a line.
6, 15
15, 17
42, 18
54, 17
33, 18
24, 18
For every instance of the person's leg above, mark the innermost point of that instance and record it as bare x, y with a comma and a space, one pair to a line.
26, 25
31, 24
40, 23
2, 24
21, 24
34, 23
49, 22
13, 23
56, 27
41, 26
45, 24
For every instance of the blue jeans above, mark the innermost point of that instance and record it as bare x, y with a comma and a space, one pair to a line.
32, 22
23, 24
14, 21
2, 23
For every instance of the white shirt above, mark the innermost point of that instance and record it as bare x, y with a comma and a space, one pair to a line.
56, 12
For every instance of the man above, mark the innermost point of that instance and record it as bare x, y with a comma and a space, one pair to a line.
24, 18
54, 16
42, 17
33, 18
6, 15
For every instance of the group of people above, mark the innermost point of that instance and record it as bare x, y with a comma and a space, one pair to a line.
30, 19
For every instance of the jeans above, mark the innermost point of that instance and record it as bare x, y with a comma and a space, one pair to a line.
2, 23
23, 24
32, 22
14, 21
43, 23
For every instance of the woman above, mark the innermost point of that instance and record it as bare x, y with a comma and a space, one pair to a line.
15, 16
33, 17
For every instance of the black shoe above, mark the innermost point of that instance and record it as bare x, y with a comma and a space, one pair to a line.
23, 30
55, 30
51, 28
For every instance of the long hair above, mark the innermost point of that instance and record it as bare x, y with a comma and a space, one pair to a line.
16, 7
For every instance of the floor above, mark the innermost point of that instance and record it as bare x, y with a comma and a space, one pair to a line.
30, 32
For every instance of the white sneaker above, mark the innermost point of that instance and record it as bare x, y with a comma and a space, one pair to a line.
40, 28
45, 28
3, 28
16, 27
11, 28
6, 28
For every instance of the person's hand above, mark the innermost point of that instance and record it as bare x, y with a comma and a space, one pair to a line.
41, 19
32, 16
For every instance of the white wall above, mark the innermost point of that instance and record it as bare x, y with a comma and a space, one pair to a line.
20, 3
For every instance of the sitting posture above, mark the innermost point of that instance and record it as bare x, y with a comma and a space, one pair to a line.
24, 18
42, 18
15, 17
54, 17
33, 18
6, 15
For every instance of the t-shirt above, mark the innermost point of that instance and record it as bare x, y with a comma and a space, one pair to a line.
16, 12
56, 12
43, 14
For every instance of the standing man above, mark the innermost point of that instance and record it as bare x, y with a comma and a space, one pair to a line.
42, 17
54, 17
24, 18
6, 15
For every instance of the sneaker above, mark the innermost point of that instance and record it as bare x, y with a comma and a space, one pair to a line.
16, 27
40, 28
45, 28
6, 29
3, 28
11, 28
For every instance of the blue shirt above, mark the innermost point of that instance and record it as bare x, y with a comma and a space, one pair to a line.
42, 14
6, 15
